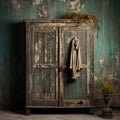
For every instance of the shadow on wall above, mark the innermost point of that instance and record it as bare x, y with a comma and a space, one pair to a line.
18, 50
12, 67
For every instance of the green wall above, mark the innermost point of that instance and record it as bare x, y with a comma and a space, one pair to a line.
12, 41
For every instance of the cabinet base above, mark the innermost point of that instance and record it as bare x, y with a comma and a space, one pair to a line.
28, 111
83, 109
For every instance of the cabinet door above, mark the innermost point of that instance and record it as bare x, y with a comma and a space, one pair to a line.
75, 92
43, 81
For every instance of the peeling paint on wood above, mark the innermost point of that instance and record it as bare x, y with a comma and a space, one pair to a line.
37, 2
47, 88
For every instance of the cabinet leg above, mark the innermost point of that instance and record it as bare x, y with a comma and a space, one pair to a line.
27, 111
92, 111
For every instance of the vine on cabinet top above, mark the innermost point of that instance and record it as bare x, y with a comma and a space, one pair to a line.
82, 18
87, 19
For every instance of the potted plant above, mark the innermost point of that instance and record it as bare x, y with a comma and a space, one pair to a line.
105, 88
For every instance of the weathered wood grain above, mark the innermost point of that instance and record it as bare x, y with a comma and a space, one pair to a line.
49, 81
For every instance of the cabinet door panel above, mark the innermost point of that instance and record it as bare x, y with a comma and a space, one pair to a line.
74, 91
44, 84
44, 47
44, 66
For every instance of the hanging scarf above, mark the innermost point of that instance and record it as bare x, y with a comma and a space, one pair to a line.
75, 58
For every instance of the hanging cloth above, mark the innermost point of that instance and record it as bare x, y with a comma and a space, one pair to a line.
75, 58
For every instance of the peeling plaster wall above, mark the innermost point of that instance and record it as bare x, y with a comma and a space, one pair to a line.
12, 41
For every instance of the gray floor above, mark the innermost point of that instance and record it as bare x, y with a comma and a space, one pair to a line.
9, 115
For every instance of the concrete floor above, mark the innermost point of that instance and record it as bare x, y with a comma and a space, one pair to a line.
11, 115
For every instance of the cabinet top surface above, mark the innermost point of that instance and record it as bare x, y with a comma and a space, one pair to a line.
54, 21
51, 20
63, 22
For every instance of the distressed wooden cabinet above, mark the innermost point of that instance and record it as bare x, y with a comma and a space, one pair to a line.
48, 77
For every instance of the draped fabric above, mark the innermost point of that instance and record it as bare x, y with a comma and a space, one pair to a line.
75, 58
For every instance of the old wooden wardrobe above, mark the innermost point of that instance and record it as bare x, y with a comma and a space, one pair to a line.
48, 77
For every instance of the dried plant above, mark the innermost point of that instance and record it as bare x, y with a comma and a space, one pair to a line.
104, 86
